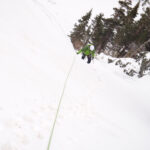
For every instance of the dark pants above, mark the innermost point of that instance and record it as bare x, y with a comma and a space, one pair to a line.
88, 57
83, 56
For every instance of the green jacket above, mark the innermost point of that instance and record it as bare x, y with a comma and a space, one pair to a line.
86, 50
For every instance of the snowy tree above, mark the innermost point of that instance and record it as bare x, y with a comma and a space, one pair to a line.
81, 31
97, 30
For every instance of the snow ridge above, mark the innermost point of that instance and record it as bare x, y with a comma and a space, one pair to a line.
102, 107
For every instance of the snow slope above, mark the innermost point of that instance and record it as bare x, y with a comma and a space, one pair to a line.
102, 107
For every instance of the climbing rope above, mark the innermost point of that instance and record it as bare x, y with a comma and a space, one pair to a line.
46, 12
60, 101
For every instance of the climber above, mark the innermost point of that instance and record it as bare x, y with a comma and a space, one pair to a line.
88, 51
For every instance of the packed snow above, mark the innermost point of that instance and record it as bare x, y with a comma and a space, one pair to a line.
102, 108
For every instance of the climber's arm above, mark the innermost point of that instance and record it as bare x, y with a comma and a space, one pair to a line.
93, 54
79, 51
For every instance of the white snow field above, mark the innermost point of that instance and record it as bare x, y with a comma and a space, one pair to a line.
102, 108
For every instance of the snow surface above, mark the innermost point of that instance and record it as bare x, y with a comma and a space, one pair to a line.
102, 109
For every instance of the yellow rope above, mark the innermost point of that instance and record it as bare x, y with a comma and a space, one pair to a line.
60, 101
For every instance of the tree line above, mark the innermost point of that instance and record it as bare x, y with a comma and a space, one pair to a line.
120, 35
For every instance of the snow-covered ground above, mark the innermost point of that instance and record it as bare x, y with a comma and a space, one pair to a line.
102, 109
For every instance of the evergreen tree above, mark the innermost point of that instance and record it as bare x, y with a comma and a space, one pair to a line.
102, 32
126, 30
108, 33
143, 29
145, 2
97, 30
81, 31
133, 13
121, 12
